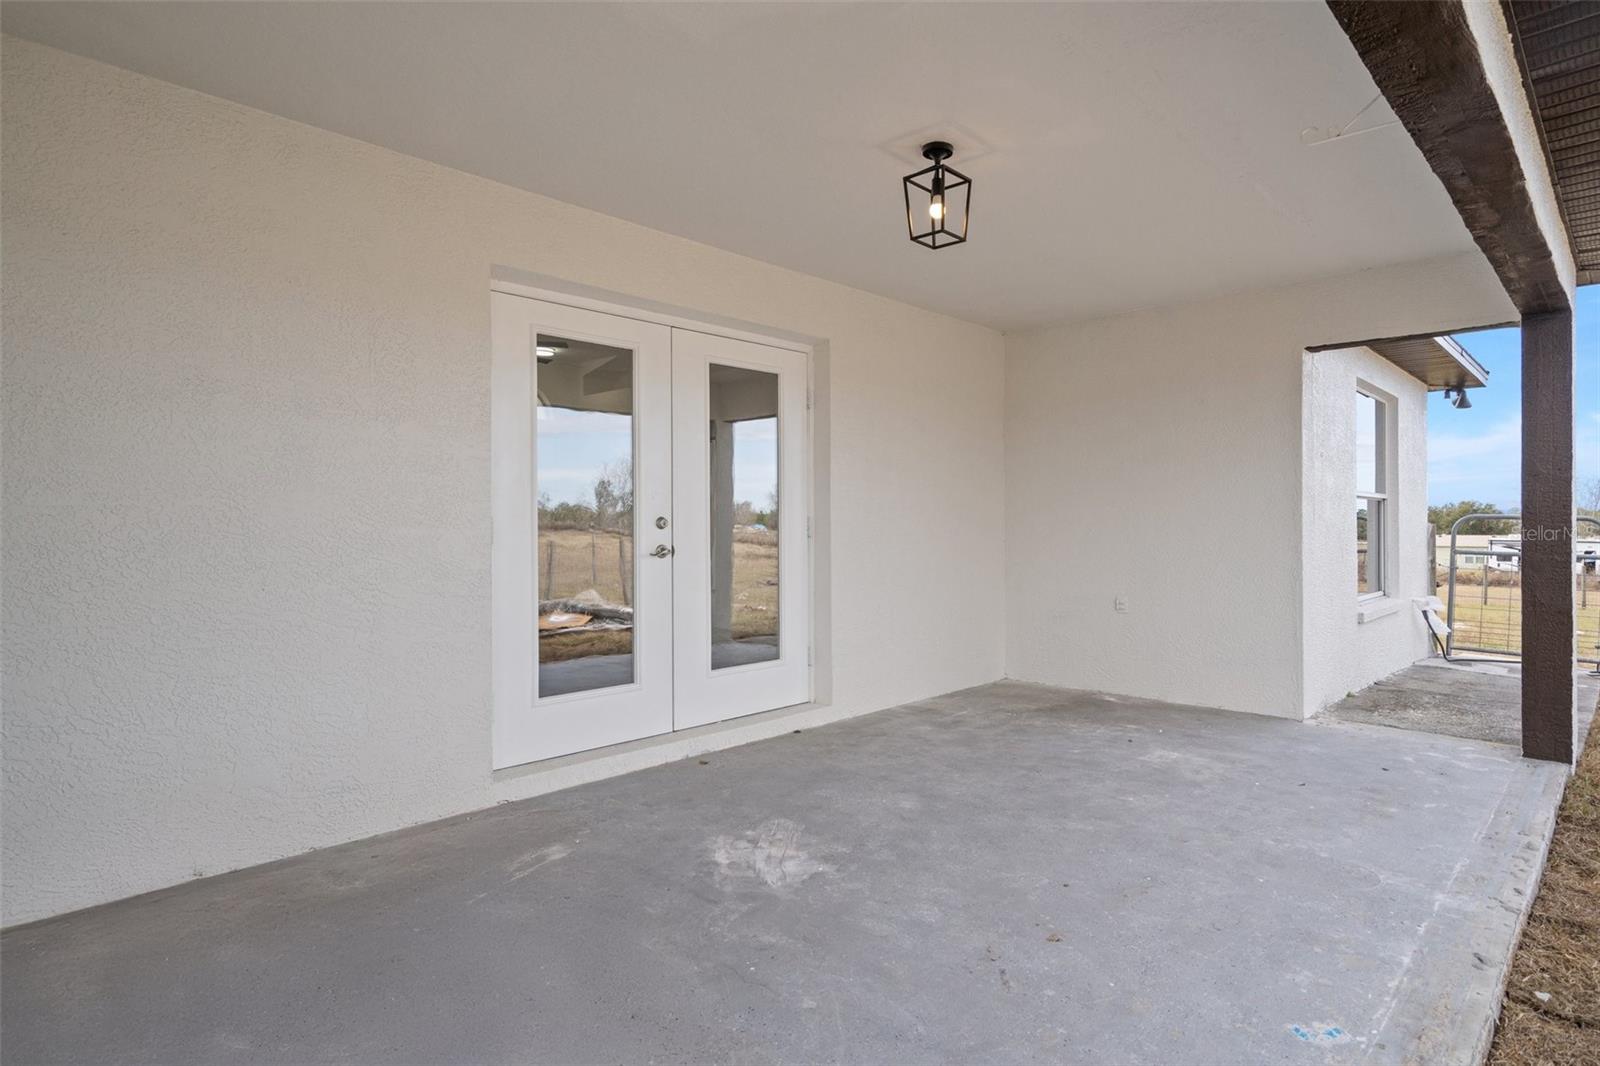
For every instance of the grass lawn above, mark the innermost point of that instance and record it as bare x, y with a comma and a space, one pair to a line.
1551, 1013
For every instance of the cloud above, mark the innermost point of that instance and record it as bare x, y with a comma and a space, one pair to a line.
756, 429
1588, 446
1483, 466
1459, 447
557, 420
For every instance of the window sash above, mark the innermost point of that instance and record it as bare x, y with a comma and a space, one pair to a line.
1376, 505
1372, 484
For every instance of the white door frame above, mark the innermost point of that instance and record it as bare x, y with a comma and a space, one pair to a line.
643, 314
529, 726
702, 695
513, 600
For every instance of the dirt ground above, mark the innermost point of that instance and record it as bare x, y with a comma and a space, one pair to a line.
1551, 1014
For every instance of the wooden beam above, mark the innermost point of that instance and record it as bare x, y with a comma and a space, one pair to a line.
1425, 60
1547, 539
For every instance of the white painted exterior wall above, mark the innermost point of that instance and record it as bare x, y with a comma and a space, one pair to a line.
246, 523
1349, 646
1121, 430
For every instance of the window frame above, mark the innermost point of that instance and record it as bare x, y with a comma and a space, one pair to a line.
1379, 498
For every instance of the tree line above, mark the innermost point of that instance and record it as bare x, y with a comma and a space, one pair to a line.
1444, 515
612, 509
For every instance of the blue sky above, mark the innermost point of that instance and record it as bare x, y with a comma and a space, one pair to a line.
1477, 453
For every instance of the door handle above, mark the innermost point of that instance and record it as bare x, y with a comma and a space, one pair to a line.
661, 551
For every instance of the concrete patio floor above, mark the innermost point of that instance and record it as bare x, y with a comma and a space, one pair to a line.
1480, 701
1010, 873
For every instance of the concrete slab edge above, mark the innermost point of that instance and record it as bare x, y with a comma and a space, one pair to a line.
1454, 999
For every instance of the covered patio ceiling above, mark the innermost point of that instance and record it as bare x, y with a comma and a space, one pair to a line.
1123, 155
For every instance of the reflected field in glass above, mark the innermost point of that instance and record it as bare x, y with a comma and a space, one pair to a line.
743, 438
584, 566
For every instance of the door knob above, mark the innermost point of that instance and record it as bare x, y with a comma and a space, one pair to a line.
661, 551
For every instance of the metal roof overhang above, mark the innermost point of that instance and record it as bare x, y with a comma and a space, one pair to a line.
1559, 43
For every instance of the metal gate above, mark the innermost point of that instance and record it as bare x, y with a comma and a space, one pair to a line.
1483, 593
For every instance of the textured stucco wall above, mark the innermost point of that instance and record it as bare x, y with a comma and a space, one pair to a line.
1157, 456
246, 515
1342, 653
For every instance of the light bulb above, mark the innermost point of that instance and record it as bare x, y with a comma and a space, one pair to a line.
936, 209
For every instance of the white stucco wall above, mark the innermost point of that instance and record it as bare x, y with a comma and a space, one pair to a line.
1122, 432
1343, 653
246, 515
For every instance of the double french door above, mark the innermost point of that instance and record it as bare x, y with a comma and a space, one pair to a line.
650, 529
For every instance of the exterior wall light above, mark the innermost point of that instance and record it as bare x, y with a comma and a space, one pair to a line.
1458, 398
937, 200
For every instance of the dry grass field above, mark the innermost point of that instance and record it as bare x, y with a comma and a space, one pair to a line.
755, 585
1489, 618
1551, 1013
575, 561
572, 561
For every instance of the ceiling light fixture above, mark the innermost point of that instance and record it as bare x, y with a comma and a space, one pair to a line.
548, 350
937, 197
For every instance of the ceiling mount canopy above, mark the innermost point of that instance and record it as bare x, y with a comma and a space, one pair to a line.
938, 198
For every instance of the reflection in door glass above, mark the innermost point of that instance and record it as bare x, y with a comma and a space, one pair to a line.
744, 516
584, 484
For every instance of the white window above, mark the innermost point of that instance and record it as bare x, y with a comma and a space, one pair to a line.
1372, 496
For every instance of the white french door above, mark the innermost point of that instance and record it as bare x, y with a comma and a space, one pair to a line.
581, 442
741, 635
643, 580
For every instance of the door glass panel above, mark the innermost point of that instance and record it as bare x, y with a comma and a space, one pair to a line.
584, 566
743, 435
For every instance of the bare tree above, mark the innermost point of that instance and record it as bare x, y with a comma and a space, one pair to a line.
613, 495
1589, 494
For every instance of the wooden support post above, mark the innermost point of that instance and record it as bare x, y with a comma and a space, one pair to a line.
1547, 542
1429, 64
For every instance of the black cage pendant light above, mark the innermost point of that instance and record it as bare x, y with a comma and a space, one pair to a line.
937, 200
